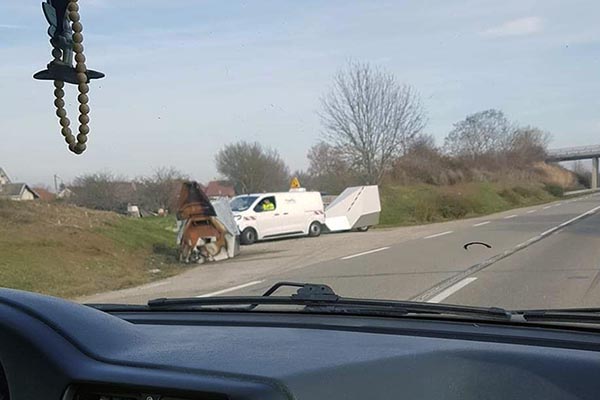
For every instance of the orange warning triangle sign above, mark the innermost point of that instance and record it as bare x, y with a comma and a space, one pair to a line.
295, 184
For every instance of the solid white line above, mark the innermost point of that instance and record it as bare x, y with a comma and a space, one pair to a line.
557, 204
451, 290
482, 223
547, 207
364, 253
589, 212
510, 216
152, 285
531, 211
438, 234
562, 225
546, 232
231, 289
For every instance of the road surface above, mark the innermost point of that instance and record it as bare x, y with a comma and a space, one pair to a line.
545, 256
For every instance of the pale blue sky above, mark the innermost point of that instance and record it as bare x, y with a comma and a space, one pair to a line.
185, 77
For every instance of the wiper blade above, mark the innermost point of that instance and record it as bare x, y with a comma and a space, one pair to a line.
574, 315
321, 298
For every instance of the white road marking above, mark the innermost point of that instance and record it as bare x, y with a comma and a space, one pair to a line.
557, 204
510, 216
152, 285
451, 290
482, 223
231, 289
548, 231
364, 253
545, 208
438, 234
557, 227
531, 211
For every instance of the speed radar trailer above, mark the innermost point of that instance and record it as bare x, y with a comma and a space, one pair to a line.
357, 207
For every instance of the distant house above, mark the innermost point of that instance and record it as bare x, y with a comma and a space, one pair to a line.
64, 193
45, 195
17, 191
4, 179
219, 189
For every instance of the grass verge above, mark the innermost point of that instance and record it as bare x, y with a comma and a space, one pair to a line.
419, 204
69, 251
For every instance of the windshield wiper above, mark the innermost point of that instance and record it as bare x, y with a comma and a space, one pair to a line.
318, 298
322, 299
572, 315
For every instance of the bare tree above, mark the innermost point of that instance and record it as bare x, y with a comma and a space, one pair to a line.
422, 143
479, 134
371, 118
328, 169
583, 174
252, 168
528, 144
160, 190
102, 191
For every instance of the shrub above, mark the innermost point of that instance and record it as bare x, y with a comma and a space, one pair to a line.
426, 164
523, 191
452, 206
554, 190
425, 211
510, 196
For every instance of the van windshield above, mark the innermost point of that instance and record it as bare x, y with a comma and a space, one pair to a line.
242, 203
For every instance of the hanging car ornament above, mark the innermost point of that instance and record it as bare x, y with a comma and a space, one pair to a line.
66, 39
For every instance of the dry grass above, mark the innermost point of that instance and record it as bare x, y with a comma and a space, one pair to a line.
428, 165
553, 174
70, 251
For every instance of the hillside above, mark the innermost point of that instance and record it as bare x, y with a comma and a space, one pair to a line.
69, 251
425, 203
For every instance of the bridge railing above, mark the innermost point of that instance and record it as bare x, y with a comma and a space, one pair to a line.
574, 152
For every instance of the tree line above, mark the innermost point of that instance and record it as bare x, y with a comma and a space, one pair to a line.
373, 131
110, 192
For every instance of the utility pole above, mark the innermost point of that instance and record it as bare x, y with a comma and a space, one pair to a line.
56, 178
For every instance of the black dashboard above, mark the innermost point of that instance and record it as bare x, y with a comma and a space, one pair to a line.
54, 349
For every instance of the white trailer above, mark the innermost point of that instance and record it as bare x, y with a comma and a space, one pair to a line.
356, 207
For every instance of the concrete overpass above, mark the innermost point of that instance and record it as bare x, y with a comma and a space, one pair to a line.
578, 153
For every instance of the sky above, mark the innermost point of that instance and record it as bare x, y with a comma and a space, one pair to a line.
186, 77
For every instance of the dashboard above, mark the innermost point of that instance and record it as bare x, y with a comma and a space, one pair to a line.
55, 349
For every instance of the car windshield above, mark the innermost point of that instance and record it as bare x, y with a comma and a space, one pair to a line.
242, 203
435, 152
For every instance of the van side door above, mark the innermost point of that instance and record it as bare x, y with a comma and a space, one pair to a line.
268, 221
292, 211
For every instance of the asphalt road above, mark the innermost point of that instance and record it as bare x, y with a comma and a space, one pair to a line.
538, 257
561, 269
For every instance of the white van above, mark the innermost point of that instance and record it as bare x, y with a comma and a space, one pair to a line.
270, 215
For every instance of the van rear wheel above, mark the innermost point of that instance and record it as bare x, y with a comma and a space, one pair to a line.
315, 229
248, 236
